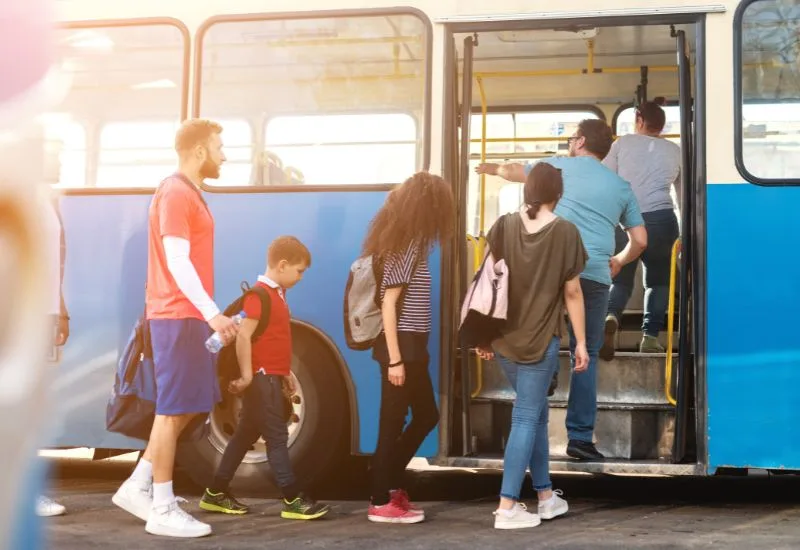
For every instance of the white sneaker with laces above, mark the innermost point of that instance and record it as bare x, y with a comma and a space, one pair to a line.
517, 517
554, 506
135, 497
173, 521
47, 508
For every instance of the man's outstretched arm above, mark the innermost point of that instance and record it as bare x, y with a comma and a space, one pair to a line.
511, 172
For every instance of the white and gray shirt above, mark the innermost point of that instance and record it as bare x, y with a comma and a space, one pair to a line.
410, 270
652, 165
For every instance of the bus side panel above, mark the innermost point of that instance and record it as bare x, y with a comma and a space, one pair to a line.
104, 278
104, 289
753, 309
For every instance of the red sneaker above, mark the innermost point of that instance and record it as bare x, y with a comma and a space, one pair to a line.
392, 513
400, 497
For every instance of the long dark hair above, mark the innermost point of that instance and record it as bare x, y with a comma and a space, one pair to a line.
543, 186
420, 211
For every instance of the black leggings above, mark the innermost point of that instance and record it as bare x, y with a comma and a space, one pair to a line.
397, 446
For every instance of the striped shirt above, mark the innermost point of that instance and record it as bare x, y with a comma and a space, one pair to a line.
399, 271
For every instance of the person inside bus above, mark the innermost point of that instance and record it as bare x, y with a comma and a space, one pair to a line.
415, 216
596, 200
180, 310
545, 257
652, 165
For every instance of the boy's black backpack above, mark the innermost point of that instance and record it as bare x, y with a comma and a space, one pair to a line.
228, 364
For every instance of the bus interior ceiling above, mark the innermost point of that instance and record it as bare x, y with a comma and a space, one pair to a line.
540, 84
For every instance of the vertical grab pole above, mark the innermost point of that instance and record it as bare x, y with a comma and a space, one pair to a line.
671, 324
466, 114
480, 249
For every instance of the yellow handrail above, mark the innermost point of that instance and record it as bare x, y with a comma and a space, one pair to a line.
671, 323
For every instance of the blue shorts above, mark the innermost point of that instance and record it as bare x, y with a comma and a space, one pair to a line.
186, 374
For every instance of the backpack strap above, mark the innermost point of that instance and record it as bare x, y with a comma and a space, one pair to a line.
192, 186
266, 310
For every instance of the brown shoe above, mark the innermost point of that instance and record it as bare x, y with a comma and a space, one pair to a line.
608, 349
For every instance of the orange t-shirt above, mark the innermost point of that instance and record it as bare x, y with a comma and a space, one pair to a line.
177, 210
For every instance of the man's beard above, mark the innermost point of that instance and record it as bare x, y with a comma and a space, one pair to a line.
209, 170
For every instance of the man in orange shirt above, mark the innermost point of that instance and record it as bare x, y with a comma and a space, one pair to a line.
180, 310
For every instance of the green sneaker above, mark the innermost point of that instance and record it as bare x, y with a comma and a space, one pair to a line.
222, 502
303, 507
649, 344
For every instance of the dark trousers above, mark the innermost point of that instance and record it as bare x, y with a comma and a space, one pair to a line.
662, 231
262, 416
396, 445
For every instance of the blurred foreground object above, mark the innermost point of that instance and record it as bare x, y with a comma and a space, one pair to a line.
27, 87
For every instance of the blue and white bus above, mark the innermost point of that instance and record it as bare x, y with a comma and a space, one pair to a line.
328, 104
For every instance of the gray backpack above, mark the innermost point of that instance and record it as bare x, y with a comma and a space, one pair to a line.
363, 322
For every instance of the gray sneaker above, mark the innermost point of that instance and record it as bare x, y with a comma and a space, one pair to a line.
649, 344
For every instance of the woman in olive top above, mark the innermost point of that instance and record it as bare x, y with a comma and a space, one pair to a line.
545, 256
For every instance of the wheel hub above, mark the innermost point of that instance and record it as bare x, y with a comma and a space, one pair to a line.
225, 418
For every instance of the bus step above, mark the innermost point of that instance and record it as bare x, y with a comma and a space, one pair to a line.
557, 465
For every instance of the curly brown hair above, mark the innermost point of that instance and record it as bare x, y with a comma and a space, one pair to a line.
419, 211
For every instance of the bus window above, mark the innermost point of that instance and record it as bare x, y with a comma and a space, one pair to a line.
136, 154
141, 154
67, 139
342, 97
769, 76
626, 121
502, 196
117, 73
375, 147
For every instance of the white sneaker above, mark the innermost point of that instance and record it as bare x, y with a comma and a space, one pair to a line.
172, 521
517, 517
553, 507
135, 497
46, 507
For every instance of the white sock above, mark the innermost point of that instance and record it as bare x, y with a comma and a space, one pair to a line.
548, 500
508, 513
162, 494
143, 472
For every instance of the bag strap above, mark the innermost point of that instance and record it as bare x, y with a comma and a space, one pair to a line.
194, 188
497, 247
266, 310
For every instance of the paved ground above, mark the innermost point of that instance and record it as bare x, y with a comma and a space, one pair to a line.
605, 513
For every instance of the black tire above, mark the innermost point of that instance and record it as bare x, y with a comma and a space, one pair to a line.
323, 438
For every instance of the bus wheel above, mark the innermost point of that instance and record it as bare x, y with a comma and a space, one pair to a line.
317, 424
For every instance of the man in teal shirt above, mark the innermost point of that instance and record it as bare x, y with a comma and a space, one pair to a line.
596, 200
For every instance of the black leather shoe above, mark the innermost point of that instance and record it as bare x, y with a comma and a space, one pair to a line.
583, 450
553, 385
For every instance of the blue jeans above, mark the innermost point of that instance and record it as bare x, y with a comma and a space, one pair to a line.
662, 231
582, 404
527, 443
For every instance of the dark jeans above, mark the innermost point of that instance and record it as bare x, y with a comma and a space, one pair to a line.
262, 416
397, 446
662, 231
582, 405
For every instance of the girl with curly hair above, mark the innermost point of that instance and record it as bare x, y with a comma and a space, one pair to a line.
416, 215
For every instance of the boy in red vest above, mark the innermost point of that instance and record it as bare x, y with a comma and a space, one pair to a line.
265, 370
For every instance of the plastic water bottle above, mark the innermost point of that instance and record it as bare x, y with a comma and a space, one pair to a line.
214, 342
